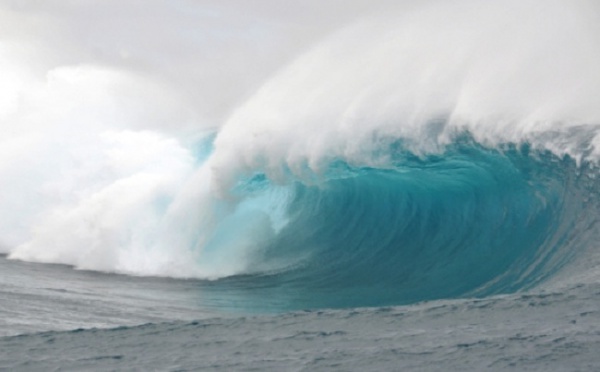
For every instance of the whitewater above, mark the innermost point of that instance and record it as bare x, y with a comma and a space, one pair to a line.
375, 186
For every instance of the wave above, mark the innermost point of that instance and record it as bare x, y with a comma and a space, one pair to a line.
444, 151
470, 221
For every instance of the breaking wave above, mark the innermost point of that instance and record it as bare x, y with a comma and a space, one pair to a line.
405, 158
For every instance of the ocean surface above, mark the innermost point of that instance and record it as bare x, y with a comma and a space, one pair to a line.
416, 189
71, 320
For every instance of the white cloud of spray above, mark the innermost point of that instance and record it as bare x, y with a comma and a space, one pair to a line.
101, 105
505, 71
103, 102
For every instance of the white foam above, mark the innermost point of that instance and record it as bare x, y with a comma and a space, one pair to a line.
506, 71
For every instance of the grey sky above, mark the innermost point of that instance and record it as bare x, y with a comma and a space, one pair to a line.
212, 54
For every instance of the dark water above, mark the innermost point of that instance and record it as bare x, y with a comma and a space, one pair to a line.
108, 322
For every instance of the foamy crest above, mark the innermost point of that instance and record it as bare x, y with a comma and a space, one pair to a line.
503, 71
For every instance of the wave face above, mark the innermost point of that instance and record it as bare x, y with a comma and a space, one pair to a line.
441, 150
471, 221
